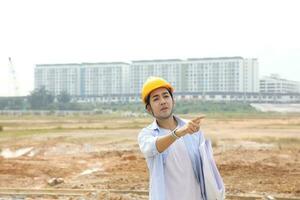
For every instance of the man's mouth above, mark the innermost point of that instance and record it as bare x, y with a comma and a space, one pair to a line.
164, 109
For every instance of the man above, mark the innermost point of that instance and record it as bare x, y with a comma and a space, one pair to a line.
171, 147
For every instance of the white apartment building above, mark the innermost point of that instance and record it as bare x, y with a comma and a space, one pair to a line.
225, 74
171, 70
197, 75
58, 77
98, 79
85, 79
250, 75
275, 84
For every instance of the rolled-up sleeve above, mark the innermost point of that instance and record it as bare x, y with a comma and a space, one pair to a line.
147, 142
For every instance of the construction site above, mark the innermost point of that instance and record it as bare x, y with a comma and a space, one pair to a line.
79, 80
98, 157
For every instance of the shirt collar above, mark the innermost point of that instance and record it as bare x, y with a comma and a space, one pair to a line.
154, 125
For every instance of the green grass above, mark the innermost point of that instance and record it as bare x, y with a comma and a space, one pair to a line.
85, 117
60, 129
210, 109
33, 120
29, 132
254, 115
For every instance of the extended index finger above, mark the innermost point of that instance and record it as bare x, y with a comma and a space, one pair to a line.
197, 119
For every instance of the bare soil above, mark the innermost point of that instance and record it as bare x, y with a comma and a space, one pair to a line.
255, 156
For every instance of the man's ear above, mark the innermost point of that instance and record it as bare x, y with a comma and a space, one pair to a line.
148, 108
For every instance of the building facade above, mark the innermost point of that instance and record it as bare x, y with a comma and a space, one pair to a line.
58, 77
222, 78
199, 75
213, 79
85, 80
170, 70
275, 84
224, 74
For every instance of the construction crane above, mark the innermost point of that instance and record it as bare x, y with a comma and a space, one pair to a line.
14, 77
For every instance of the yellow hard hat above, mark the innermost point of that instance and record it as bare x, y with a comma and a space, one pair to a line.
153, 83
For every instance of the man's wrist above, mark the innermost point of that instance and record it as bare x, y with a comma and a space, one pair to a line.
179, 132
174, 135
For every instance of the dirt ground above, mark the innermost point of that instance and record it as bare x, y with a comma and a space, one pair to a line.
255, 155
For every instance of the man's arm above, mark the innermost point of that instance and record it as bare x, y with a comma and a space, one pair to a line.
147, 143
163, 142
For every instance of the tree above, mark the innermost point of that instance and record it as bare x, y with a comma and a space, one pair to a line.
40, 98
64, 97
13, 103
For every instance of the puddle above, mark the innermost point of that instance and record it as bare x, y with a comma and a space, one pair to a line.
7, 153
90, 171
33, 153
96, 168
69, 149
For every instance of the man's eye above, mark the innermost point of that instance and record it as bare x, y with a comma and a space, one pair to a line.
155, 99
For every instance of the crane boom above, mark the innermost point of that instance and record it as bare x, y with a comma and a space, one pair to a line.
14, 77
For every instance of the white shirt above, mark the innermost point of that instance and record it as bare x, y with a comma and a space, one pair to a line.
180, 180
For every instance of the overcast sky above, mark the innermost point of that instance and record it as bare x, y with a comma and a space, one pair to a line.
60, 31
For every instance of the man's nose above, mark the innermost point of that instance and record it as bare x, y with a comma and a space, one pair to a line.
163, 101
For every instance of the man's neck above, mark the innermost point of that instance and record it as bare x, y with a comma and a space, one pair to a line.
169, 123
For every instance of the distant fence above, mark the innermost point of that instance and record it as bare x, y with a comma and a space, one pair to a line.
46, 112
254, 97
69, 113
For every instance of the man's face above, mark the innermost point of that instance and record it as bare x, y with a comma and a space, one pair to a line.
161, 103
